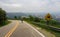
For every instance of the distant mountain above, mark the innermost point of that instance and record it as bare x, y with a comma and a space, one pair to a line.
58, 18
41, 14
11, 15
38, 14
54, 15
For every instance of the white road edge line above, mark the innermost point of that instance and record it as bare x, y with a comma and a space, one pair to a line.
35, 30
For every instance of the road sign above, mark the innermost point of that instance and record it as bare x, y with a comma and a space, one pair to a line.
48, 17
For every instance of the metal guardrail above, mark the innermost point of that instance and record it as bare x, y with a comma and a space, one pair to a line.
54, 28
51, 27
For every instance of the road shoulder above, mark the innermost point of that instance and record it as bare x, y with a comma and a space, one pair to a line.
6, 28
40, 33
43, 31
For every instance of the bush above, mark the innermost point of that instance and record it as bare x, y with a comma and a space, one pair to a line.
2, 16
36, 19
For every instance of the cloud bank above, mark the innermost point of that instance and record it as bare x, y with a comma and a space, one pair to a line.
30, 5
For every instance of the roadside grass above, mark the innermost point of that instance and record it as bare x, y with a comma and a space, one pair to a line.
57, 26
55, 23
45, 29
5, 23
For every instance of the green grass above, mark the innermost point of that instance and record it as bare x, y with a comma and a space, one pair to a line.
5, 23
44, 26
55, 23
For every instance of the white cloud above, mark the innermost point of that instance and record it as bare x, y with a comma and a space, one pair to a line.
13, 5
31, 5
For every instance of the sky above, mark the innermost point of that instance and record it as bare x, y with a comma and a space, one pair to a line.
30, 5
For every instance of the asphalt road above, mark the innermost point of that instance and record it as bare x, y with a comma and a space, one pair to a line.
19, 29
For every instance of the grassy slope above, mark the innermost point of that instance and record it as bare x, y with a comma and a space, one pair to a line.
5, 23
46, 30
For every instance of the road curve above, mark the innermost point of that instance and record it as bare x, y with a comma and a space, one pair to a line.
26, 30
5, 29
19, 29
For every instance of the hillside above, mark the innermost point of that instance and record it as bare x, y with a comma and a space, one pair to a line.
41, 15
11, 15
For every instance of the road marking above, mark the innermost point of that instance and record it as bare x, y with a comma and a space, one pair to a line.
35, 30
12, 30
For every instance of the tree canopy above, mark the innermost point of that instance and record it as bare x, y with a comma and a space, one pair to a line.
2, 16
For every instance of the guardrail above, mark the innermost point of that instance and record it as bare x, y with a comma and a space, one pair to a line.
54, 28
51, 27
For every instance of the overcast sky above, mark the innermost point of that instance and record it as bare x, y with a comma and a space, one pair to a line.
30, 5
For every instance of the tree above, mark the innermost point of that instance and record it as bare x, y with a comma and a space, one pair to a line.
19, 17
15, 17
36, 19
3, 17
31, 18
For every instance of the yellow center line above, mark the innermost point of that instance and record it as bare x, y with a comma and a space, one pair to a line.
12, 30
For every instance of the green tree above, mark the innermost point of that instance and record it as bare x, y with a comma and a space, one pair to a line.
19, 17
2, 16
15, 17
31, 18
36, 19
